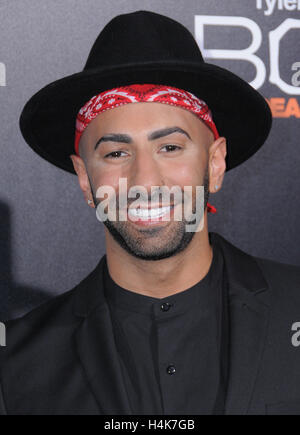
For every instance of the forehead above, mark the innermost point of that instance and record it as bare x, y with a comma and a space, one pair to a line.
138, 120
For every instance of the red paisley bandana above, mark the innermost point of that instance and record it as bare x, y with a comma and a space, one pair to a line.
143, 93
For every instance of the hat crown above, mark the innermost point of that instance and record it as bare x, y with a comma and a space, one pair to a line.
143, 37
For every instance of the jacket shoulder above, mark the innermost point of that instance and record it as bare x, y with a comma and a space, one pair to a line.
37, 339
256, 273
49, 324
54, 306
57, 316
40, 347
282, 273
283, 280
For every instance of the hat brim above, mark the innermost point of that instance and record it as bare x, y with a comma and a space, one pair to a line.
241, 114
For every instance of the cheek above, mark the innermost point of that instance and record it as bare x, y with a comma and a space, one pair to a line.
186, 173
183, 177
102, 176
106, 180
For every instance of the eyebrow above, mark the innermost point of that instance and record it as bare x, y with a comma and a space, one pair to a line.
125, 138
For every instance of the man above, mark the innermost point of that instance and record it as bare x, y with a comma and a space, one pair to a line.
171, 321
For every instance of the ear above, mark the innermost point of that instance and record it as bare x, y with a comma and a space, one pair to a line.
83, 179
217, 163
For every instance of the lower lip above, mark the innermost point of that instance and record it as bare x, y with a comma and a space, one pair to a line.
151, 221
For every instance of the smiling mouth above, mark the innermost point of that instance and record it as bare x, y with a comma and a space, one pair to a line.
146, 214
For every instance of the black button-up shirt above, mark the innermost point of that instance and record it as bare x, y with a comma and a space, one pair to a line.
173, 351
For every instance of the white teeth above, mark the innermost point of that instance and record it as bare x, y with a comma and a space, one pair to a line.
151, 213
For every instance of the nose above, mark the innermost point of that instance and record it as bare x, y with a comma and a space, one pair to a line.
145, 171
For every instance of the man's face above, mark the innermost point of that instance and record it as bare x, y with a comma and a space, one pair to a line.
149, 144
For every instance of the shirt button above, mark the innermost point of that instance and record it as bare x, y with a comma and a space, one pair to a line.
165, 306
171, 370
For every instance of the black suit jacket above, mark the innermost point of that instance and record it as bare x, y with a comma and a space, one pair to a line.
61, 357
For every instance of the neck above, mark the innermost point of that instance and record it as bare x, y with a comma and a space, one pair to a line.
161, 278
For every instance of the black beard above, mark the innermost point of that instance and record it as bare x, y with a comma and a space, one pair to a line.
134, 245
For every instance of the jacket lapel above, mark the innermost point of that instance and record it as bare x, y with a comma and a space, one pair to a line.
96, 349
249, 308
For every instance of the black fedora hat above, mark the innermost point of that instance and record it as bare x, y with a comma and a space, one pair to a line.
146, 47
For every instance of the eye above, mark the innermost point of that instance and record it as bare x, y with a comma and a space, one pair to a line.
113, 155
171, 148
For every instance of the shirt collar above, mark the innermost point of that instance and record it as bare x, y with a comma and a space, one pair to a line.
202, 295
